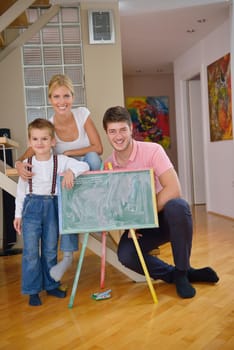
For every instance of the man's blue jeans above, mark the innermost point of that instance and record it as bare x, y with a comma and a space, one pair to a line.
69, 242
40, 237
175, 226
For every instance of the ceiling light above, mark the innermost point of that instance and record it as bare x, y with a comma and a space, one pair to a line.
190, 31
201, 20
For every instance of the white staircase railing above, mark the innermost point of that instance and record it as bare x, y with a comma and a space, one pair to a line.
8, 184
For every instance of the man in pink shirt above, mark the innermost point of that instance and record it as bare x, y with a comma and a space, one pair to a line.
175, 219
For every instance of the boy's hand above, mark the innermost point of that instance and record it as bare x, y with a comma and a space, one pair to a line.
68, 179
17, 225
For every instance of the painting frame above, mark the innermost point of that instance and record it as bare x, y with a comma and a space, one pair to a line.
150, 119
220, 99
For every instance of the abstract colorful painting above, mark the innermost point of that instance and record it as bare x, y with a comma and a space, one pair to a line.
220, 100
150, 118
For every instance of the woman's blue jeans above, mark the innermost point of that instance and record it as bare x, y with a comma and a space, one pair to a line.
40, 238
69, 242
93, 159
175, 226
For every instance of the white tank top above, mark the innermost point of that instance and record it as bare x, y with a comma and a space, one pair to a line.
80, 114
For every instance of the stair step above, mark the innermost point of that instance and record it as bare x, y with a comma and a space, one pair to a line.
11, 172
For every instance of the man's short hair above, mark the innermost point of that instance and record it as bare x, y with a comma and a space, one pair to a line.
116, 114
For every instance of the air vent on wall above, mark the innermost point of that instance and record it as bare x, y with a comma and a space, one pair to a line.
101, 27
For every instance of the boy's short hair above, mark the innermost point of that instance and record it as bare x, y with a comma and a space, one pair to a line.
41, 123
116, 114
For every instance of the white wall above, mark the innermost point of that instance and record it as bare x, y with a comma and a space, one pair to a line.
12, 103
218, 156
102, 69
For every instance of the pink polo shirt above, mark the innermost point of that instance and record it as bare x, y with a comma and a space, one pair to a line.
145, 155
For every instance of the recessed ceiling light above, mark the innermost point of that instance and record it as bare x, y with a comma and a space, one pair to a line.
190, 31
201, 20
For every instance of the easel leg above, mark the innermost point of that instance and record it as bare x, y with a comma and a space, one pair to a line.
138, 249
77, 276
103, 260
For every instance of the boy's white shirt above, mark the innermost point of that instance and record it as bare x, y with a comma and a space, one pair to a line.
42, 179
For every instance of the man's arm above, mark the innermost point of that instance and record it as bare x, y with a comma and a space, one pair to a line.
171, 188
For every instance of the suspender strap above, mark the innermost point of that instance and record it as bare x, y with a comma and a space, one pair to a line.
54, 174
30, 180
55, 161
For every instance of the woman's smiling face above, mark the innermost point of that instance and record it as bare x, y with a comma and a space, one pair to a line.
61, 100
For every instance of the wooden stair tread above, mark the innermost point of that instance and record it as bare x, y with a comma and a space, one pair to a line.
11, 172
8, 142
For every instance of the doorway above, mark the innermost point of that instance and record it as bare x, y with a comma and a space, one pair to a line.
197, 183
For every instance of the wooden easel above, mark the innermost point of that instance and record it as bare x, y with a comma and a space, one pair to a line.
80, 262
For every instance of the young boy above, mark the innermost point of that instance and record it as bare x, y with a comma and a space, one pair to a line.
36, 212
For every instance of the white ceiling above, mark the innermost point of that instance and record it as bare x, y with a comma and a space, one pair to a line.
154, 32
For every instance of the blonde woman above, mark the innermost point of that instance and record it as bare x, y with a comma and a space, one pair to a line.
76, 136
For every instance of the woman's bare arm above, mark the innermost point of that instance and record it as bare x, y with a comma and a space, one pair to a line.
22, 168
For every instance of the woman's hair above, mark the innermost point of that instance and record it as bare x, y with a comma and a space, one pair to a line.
116, 114
41, 123
60, 80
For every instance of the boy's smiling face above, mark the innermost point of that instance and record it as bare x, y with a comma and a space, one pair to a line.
41, 142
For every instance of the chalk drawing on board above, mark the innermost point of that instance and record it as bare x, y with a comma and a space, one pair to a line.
108, 200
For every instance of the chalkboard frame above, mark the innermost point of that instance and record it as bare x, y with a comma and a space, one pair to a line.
118, 200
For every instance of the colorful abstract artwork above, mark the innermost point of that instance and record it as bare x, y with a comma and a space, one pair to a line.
220, 101
150, 118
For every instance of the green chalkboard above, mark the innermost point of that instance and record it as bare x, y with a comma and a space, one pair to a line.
108, 200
